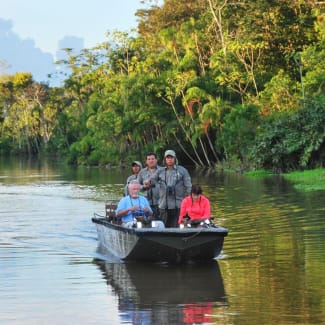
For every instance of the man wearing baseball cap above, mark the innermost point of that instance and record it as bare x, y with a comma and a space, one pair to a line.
136, 167
174, 182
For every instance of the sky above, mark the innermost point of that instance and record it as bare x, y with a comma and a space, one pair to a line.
33, 31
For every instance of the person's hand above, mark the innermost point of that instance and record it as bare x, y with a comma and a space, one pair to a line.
147, 183
139, 218
146, 220
186, 219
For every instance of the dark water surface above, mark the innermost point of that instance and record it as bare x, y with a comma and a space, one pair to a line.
271, 270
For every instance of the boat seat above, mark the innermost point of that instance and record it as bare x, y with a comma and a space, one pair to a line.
110, 208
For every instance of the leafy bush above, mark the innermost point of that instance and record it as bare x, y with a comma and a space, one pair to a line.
293, 141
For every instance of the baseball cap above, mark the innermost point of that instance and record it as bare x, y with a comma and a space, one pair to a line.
137, 163
170, 153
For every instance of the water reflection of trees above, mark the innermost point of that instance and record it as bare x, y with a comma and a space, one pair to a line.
165, 294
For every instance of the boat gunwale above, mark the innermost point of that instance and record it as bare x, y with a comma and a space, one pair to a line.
159, 231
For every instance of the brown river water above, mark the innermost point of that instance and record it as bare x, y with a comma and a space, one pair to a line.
52, 271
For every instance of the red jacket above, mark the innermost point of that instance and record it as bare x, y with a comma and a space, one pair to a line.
195, 209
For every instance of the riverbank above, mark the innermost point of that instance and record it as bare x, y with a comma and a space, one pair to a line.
307, 180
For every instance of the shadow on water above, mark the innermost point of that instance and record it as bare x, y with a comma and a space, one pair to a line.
165, 294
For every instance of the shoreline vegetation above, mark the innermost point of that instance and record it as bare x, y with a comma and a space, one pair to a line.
306, 180
303, 180
223, 84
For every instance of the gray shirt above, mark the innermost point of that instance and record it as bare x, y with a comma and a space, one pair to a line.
174, 184
152, 193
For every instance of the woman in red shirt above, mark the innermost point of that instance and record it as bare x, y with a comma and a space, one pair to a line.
196, 206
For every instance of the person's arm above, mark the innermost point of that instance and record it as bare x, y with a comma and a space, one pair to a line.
187, 182
154, 178
146, 206
147, 211
124, 212
182, 211
140, 179
123, 208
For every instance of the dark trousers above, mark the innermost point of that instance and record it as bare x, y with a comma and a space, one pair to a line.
169, 217
155, 211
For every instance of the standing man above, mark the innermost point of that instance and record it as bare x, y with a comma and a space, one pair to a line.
148, 189
174, 183
136, 167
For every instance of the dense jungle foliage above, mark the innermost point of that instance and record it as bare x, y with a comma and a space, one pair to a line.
221, 82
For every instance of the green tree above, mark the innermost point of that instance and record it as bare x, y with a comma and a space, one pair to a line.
239, 131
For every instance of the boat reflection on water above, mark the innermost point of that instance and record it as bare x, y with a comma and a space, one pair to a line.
166, 294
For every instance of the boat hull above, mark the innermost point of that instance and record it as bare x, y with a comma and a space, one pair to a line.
172, 245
